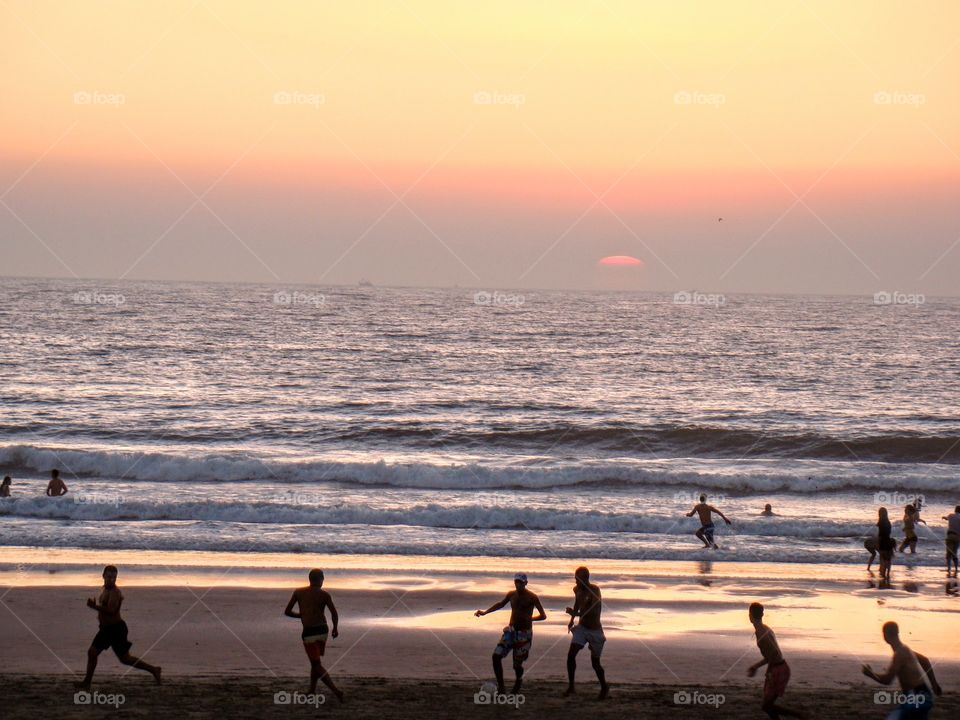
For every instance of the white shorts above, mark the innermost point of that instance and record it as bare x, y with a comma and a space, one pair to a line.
594, 638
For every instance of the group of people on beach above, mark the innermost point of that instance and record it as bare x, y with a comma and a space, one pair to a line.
883, 544
311, 604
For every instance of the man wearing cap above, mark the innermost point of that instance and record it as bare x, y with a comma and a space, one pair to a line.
518, 635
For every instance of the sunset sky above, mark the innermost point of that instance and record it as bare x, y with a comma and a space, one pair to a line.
500, 144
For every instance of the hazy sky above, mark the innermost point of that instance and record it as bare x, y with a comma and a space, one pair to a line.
497, 144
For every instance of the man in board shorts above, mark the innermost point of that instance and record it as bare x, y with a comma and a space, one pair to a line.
953, 538
778, 672
705, 533
587, 605
518, 635
113, 630
915, 673
313, 601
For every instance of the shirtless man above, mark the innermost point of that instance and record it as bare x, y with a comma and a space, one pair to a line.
113, 630
767, 511
313, 601
705, 533
953, 538
56, 487
587, 605
518, 635
911, 516
914, 672
778, 672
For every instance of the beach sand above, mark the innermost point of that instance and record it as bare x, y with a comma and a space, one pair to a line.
409, 643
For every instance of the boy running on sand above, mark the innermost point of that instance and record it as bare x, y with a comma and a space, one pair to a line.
915, 674
313, 602
113, 630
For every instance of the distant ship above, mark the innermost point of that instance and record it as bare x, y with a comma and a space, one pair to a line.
365, 283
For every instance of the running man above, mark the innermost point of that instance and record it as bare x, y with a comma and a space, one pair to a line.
313, 601
587, 605
953, 538
56, 487
778, 672
915, 674
113, 630
705, 533
518, 635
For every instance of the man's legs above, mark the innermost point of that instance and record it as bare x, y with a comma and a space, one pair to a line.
139, 664
518, 669
498, 672
702, 538
92, 655
318, 672
601, 675
572, 667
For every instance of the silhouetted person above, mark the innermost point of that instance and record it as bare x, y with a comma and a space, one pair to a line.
56, 487
914, 672
911, 516
953, 538
518, 635
768, 511
313, 601
113, 630
5, 486
705, 533
778, 672
870, 545
885, 543
587, 605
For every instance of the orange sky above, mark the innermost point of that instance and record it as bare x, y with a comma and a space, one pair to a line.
526, 105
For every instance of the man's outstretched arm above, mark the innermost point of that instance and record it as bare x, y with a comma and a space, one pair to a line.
334, 617
494, 607
725, 519
928, 669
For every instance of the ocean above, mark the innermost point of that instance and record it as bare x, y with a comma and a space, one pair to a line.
554, 424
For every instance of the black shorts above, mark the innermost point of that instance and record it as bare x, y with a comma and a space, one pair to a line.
113, 636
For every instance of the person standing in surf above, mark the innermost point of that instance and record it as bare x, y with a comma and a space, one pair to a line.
587, 605
705, 512
885, 543
5, 486
518, 635
953, 538
911, 516
56, 487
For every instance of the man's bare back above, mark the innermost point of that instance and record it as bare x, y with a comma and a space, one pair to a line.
313, 603
703, 511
